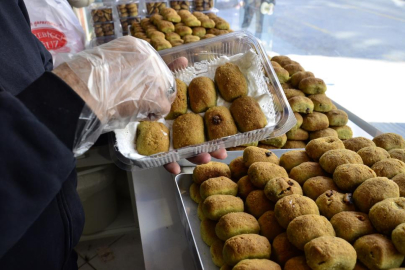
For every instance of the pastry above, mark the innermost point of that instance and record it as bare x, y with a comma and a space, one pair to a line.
351, 225
315, 121
292, 206
349, 176
283, 250
195, 193
372, 154
179, 105
216, 206
152, 138
306, 170
293, 158
312, 86
355, 144
202, 94
344, 132
238, 168
327, 132
279, 187
388, 214
218, 185
257, 203
269, 226
389, 167
332, 202
233, 224
219, 123
389, 141
209, 170
188, 129
316, 186
317, 147
262, 172
247, 114
337, 118
333, 158
254, 154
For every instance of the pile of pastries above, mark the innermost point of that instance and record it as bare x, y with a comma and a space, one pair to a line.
316, 115
170, 28
200, 96
334, 205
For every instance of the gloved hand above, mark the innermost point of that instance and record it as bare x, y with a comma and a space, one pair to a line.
122, 81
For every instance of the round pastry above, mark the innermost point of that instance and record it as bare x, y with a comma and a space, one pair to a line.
293, 158
332, 202
245, 186
199, 31
371, 155
207, 230
398, 154
316, 186
316, 148
312, 86
200, 213
349, 176
279, 187
226, 267
209, 170
254, 154
195, 193
306, 170
202, 94
233, 224
297, 263
315, 121
293, 68
357, 143
218, 185
304, 228
299, 121
333, 158
377, 252
298, 134
219, 123
351, 225
337, 118
283, 250
247, 114
389, 141
238, 168
179, 105
188, 129
216, 252
297, 77
275, 64
231, 82
388, 214
256, 264
289, 93
344, 132
398, 238
301, 104
282, 74
399, 179
321, 103
280, 58
294, 145
152, 138
257, 203
292, 206
269, 226
327, 132
261, 172
389, 167
216, 206
276, 141
374, 190
329, 252
246, 246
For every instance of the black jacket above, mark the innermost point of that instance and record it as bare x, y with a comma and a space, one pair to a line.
41, 217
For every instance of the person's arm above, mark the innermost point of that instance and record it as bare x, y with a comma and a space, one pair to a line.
36, 136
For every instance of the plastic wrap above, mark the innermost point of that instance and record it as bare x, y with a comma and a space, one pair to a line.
126, 81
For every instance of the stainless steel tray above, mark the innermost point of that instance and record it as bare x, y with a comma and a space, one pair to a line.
191, 223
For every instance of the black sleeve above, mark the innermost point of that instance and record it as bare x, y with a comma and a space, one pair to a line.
36, 134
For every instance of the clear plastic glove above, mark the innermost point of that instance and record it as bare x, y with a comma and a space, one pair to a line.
122, 81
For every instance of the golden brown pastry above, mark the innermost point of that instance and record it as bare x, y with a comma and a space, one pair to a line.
188, 129
304, 228
247, 114
233, 224
374, 190
245, 186
231, 82
152, 138
293, 158
398, 238
216, 253
195, 193
315, 121
246, 246
399, 179
371, 155
276, 141
238, 168
254, 154
269, 226
349, 176
219, 123
332, 202
258, 264
351, 225
279, 187
306, 170
389, 167
355, 144
389, 141
337, 118
384, 253
388, 214
329, 252
317, 147
344, 132
292, 206
218, 185
202, 94
216, 206
312, 86
316, 186
333, 158
207, 231
327, 132
179, 105
299, 76
283, 250
257, 203
209, 170
262, 172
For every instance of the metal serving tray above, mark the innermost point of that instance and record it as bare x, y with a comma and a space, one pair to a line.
191, 223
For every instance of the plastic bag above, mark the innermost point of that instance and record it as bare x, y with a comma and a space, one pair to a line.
54, 23
126, 81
